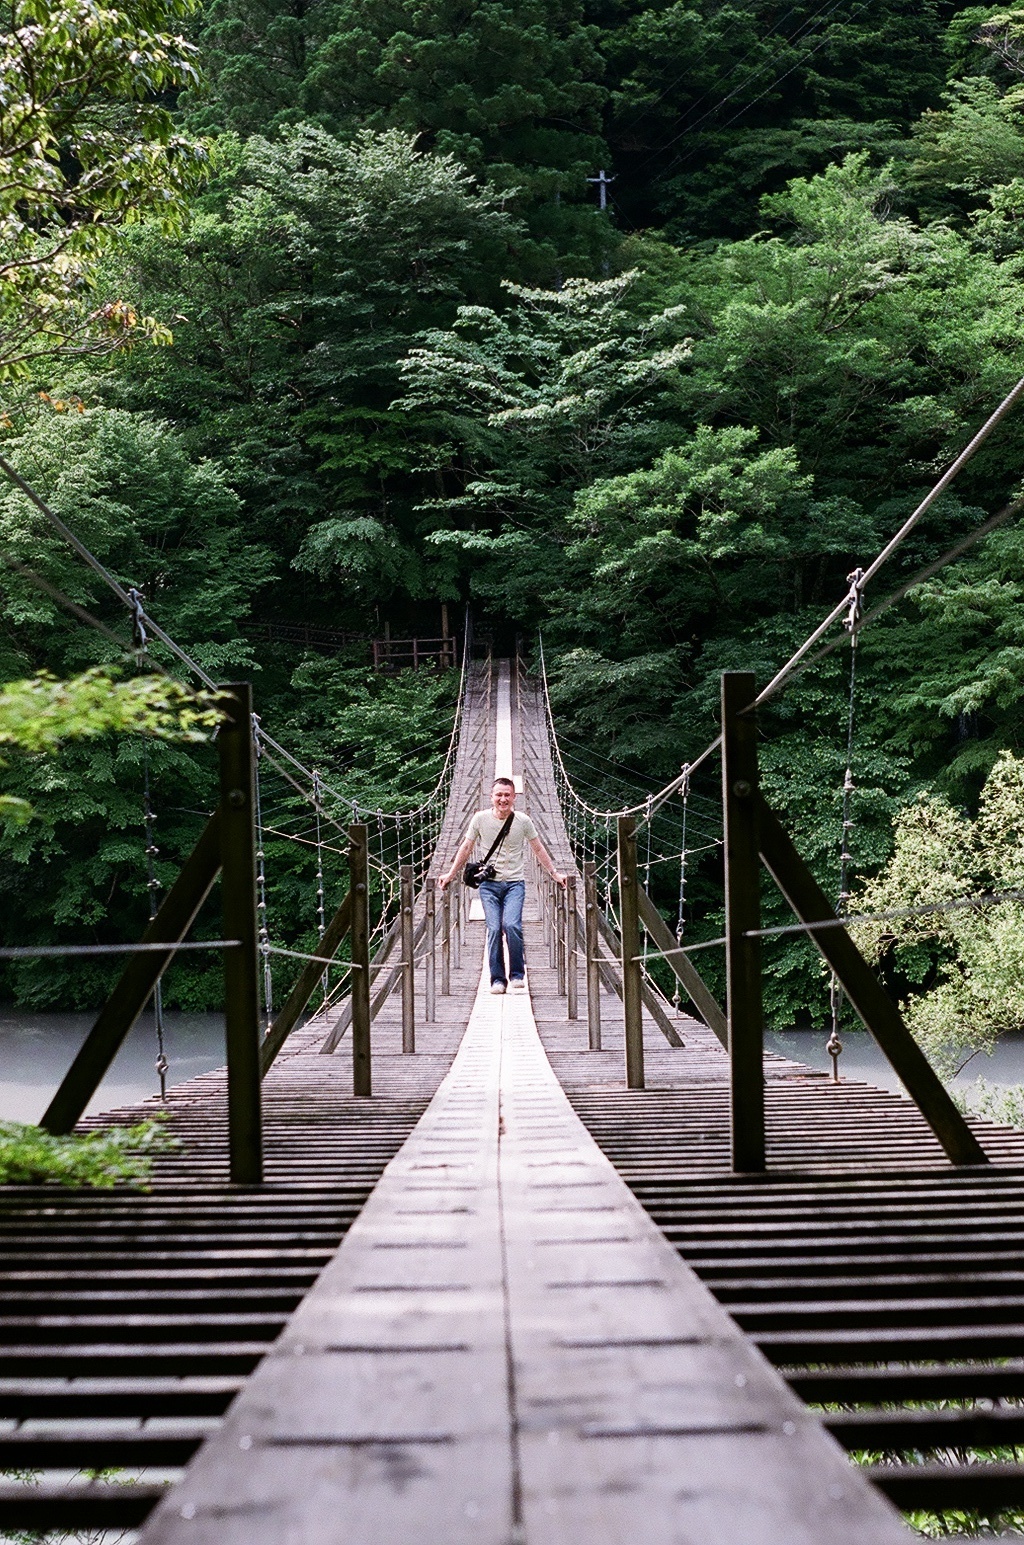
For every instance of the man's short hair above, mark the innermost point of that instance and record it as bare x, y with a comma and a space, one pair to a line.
506, 783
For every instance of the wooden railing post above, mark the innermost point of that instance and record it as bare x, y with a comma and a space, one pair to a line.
446, 942
743, 918
359, 871
430, 958
558, 902
593, 968
571, 967
238, 905
408, 962
632, 1000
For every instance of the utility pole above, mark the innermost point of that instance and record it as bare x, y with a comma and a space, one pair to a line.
603, 182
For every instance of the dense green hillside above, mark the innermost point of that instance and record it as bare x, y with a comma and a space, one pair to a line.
414, 363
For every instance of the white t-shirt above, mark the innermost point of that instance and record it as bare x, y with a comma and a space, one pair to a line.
508, 860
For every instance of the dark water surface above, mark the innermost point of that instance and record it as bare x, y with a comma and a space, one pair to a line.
36, 1051
861, 1059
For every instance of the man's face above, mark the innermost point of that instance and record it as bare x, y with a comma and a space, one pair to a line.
503, 799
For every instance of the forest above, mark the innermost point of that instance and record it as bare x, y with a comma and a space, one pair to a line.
637, 323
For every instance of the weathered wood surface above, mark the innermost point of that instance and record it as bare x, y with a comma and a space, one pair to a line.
506, 1348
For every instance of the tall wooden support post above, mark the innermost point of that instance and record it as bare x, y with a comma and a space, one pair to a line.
458, 909
408, 963
551, 909
572, 1009
632, 1001
430, 957
558, 903
446, 942
359, 870
593, 969
238, 903
742, 917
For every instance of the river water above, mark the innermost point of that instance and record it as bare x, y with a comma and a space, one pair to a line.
36, 1051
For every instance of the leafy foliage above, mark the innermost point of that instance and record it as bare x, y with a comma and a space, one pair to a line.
104, 1158
86, 146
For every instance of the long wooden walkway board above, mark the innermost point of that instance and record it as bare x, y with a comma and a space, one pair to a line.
506, 1351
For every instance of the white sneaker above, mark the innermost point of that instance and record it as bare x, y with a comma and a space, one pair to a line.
497, 988
517, 984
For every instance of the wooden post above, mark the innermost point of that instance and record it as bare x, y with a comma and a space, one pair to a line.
549, 909
571, 968
459, 908
632, 1001
742, 917
593, 969
558, 901
430, 958
408, 962
238, 906
446, 942
359, 871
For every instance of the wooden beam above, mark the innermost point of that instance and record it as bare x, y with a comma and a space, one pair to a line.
629, 919
590, 938
306, 985
693, 984
408, 962
238, 907
360, 891
742, 921
613, 981
132, 992
869, 999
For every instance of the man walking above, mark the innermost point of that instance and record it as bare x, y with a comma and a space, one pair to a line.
502, 898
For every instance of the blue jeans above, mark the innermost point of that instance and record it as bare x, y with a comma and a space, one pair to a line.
503, 908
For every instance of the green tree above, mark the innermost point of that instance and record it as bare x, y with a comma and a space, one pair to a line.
86, 146
298, 294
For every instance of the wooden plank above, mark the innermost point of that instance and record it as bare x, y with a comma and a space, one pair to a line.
742, 921
388, 1410
866, 994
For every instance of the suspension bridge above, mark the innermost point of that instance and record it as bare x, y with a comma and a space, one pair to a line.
582, 1263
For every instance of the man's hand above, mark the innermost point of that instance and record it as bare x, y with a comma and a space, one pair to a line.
444, 881
560, 879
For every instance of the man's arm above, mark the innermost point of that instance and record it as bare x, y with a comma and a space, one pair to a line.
465, 849
544, 859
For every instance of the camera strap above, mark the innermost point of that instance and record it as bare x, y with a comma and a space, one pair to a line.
499, 839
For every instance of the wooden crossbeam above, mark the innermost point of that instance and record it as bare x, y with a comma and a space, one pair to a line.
311, 974
870, 1000
172, 922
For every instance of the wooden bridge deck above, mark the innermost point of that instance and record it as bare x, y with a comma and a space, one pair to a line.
507, 1299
